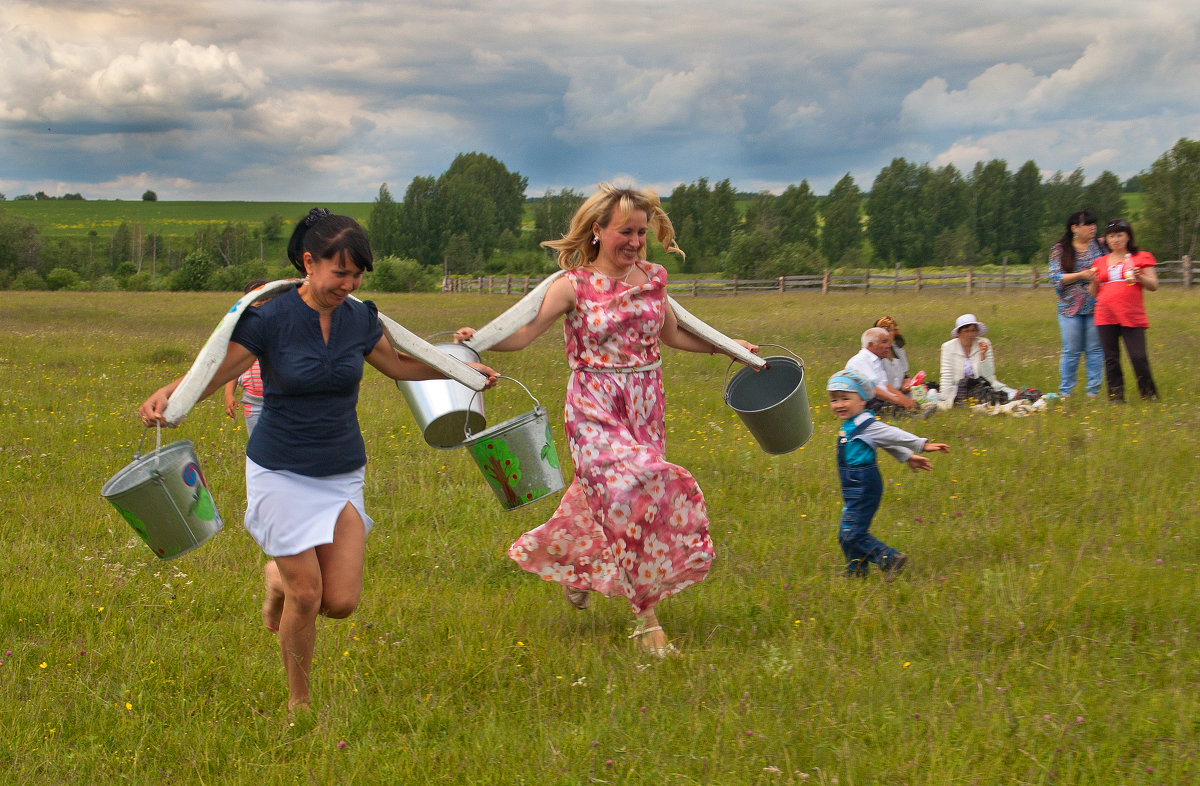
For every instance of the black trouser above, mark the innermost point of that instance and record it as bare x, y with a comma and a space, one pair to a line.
1135, 345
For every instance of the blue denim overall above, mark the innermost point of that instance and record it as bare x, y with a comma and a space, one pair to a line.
862, 491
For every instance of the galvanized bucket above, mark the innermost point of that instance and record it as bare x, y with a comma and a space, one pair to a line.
772, 402
518, 458
164, 497
441, 405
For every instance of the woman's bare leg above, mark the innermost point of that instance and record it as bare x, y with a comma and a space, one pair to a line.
272, 605
323, 580
300, 575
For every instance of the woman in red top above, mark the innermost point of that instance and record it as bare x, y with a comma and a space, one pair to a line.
1120, 310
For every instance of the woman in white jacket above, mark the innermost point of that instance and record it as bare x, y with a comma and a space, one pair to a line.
965, 355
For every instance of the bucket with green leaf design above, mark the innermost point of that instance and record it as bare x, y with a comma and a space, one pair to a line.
517, 457
164, 497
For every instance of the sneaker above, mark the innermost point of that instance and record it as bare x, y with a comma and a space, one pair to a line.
894, 566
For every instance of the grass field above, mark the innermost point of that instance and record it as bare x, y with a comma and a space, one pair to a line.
1045, 634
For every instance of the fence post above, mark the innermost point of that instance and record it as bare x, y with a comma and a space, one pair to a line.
1004, 272
970, 281
917, 280
781, 286
1033, 275
735, 286
867, 282
525, 289
896, 278
825, 282
1187, 272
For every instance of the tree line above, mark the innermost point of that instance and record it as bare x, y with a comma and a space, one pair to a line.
475, 219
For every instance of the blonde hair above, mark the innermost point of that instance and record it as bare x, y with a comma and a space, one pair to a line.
575, 249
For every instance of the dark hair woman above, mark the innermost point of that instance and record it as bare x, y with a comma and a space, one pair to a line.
306, 459
1121, 277
1072, 269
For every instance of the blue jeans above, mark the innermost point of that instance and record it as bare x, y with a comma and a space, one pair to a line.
1080, 337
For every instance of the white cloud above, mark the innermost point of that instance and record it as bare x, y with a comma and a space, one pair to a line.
291, 98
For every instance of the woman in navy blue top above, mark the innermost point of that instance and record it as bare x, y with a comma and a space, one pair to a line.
306, 460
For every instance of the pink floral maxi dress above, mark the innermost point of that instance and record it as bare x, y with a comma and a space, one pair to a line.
631, 523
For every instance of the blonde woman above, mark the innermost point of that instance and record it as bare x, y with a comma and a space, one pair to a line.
631, 523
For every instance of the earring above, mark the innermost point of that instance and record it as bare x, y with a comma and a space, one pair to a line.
595, 240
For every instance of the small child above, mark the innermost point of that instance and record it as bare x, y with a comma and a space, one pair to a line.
862, 485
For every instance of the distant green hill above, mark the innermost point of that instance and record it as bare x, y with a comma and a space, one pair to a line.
76, 218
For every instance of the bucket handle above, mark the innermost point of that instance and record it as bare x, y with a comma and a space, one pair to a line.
137, 453
725, 385
467, 423
441, 333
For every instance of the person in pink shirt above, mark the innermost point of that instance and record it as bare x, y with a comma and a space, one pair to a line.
1120, 279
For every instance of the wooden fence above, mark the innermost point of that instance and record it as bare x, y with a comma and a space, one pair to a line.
1174, 273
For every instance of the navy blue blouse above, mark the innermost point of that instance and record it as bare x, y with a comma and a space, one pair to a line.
309, 421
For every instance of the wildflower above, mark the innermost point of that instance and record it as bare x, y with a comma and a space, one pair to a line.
341, 745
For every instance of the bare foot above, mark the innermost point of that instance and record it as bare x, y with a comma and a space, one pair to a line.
272, 605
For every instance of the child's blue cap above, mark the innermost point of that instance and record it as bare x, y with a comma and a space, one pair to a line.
852, 381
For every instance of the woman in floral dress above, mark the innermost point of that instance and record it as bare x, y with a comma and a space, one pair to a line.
631, 523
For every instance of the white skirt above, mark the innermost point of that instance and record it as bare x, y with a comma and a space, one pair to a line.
288, 513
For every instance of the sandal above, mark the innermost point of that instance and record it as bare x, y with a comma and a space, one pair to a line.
667, 650
579, 598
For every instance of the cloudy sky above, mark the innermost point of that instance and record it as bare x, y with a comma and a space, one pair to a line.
319, 100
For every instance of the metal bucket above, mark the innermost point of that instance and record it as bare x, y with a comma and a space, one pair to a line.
518, 458
441, 405
772, 402
164, 497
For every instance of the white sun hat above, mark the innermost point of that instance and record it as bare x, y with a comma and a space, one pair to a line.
963, 321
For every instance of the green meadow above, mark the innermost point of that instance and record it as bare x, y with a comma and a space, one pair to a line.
1045, 633
76, 218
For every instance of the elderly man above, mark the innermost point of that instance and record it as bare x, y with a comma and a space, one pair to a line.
870, 360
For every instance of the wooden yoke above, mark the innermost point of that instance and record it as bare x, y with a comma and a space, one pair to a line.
523, 312
198, 377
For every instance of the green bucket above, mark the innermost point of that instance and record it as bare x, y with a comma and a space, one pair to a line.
164, 497
517, 457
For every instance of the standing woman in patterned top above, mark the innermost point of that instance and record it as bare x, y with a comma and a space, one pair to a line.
631, 523
1121, 310
1072, 270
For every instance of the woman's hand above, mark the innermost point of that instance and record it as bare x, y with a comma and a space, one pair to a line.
487, 371
151, 410
746, 345
1087, 275
983, 348
936, 447
464, 334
